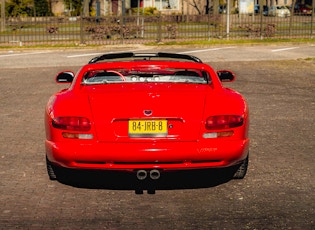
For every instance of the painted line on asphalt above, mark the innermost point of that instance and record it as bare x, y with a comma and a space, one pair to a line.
23, 54
83, 55
284, 49
93, 54
205, 50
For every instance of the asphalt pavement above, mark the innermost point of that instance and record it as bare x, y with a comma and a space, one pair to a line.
277, 193
21, 58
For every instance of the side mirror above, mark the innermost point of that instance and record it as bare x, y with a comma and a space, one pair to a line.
65, 77
226, 75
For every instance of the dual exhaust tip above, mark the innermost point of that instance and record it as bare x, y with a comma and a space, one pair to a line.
154, 174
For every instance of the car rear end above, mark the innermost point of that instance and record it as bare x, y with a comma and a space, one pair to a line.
147, 117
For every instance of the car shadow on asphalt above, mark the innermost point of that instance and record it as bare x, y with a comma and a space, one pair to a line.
112, 180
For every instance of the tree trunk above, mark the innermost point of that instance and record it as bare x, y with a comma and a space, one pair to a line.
86, 9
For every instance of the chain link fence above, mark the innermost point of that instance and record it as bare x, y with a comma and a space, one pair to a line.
111, 30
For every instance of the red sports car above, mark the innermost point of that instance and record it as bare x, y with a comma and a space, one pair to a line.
147, 114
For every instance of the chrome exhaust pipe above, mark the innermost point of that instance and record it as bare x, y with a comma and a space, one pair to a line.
155, 174
142, 174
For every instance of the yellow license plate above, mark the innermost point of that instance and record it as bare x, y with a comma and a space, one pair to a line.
147, 127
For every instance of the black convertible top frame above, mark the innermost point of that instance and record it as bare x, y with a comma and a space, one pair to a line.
145, 56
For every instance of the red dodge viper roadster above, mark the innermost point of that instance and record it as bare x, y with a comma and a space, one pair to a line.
146, 113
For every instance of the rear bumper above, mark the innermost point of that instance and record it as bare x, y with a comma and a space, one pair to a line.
134, 156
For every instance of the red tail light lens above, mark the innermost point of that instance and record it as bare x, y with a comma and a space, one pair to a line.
224, 122
72, 123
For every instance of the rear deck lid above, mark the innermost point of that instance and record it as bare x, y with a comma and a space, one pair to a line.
166, 112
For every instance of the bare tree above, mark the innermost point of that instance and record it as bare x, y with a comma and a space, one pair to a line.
86, 10
216, 4
197, 4
205, 6
2, 26
291, 18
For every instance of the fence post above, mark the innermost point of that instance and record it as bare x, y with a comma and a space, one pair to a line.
209, 28
159, 28
312, 18
228, 19
261, 19
81, 30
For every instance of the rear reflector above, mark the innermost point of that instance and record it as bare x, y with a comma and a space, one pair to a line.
218, 134
224, 122
77, 136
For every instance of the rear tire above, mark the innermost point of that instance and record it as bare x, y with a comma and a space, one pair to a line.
242, 169
51, 170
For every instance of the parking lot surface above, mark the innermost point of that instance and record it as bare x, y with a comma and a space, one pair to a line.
277, 193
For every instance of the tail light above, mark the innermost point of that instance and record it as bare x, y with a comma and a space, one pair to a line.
72, 123
224, 122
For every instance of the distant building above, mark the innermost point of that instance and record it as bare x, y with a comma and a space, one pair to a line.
114, 7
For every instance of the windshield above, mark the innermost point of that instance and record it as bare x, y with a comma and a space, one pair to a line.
146, 75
